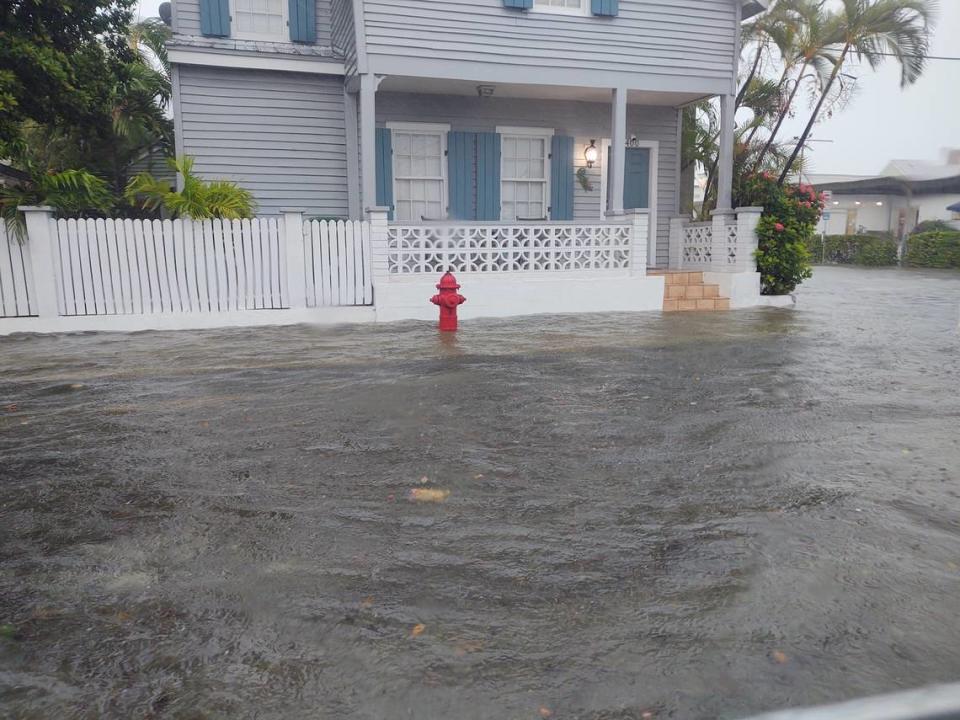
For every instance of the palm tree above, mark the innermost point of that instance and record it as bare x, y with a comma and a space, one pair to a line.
873, 30
810, 50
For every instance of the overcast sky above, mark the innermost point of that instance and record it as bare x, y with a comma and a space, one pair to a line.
883, 122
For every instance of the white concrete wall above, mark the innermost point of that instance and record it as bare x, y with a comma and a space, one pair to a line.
883, 217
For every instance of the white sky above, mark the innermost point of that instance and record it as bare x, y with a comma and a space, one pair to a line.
882, 122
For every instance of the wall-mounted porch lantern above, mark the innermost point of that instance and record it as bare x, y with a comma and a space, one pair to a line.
591, 154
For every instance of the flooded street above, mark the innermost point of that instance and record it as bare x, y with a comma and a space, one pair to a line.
687, 516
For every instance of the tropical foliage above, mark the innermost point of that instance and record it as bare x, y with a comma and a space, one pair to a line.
789, 221
868, 250
797, 59
936, 249
70, 191
199, 199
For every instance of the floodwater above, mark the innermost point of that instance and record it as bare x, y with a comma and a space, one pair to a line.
649, 516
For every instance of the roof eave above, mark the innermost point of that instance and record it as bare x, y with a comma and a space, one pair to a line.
754, 7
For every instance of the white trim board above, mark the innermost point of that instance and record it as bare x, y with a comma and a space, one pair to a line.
293, 63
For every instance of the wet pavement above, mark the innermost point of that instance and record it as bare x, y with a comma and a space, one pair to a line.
649, 516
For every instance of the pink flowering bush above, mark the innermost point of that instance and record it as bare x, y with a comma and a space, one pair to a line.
789, 221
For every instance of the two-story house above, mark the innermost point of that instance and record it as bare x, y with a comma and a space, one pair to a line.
456, 110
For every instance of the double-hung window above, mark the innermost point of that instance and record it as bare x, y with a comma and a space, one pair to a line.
260, 20
419, 171
566, 7
524, 173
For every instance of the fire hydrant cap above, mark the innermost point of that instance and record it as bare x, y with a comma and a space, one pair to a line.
448, 282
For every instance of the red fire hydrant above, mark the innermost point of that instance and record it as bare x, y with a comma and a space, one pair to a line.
448, 299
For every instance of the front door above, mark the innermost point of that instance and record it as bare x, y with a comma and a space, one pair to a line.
636, 178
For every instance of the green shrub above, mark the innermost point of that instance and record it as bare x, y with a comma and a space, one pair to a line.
869, 250
932, 225
934, 249
790, 217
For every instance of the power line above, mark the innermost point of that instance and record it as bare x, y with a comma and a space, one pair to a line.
926, 57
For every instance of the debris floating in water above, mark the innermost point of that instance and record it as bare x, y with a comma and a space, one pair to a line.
428, 495
779, 657
418, 630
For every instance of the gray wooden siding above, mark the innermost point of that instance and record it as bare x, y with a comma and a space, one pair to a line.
187, 19
279, 134
580, 119
343, 36
681, 45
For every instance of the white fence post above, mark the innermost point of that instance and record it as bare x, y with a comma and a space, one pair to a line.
296, 265
747, 240
639, 239
675, 259
42, 259
718, 245
379, 250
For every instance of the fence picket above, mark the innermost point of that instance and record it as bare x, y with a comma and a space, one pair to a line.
283, 286
136, 254
365, 264
164, 229
8, 297
179, 266
203, 235
348, 281
190, 266
113, 263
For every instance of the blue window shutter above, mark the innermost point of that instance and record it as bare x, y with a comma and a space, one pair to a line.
605, 7
215, 18
561, 178
461, 163
303, 20
488, 176
384, 162
518, 4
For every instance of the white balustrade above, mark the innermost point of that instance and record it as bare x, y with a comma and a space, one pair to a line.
492, 248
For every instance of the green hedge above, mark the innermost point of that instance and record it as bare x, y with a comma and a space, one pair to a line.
934, 249
871, 250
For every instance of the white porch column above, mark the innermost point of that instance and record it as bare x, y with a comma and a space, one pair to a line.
296, 263
368, 140
747, 239
725, 166
44, 261
618, 144
379, 250
675, 260
639, 239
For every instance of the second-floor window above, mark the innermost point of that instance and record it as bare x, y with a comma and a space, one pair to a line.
569, 7
524, 173
260, 20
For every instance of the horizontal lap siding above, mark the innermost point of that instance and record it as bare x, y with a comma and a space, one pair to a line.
687, 38
187, 19
582, 120
280, 135
342, 33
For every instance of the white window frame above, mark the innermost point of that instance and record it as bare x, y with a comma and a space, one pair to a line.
582, 11
415, 128
545, 134
284, 36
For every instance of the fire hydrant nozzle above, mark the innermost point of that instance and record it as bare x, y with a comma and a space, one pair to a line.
448, 299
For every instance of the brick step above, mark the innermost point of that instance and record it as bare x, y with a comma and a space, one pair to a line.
686, 291
701, 304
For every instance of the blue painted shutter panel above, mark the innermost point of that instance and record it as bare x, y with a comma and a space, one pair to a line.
384, 162
561, 178
461, 157
518, 4
605, 7
303, 20
488, 176
215, 18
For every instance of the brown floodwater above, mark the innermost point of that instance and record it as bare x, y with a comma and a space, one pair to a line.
617, 516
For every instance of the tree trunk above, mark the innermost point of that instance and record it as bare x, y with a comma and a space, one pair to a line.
780, 121
813, 117
753, 73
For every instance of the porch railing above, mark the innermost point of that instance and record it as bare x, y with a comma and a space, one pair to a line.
616, 246
726, 244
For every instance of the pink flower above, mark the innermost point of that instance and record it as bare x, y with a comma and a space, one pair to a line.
779, 227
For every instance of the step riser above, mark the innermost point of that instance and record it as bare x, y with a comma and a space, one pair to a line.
686, 292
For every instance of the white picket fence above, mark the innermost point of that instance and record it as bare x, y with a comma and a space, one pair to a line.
337, 262
113, 267
16, 280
